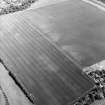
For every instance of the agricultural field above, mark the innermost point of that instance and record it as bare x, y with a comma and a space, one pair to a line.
45, 49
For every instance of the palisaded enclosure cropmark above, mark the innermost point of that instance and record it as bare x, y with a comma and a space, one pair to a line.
10, 6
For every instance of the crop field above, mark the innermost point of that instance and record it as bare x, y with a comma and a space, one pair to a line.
76, 27
44, 72
45, 49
